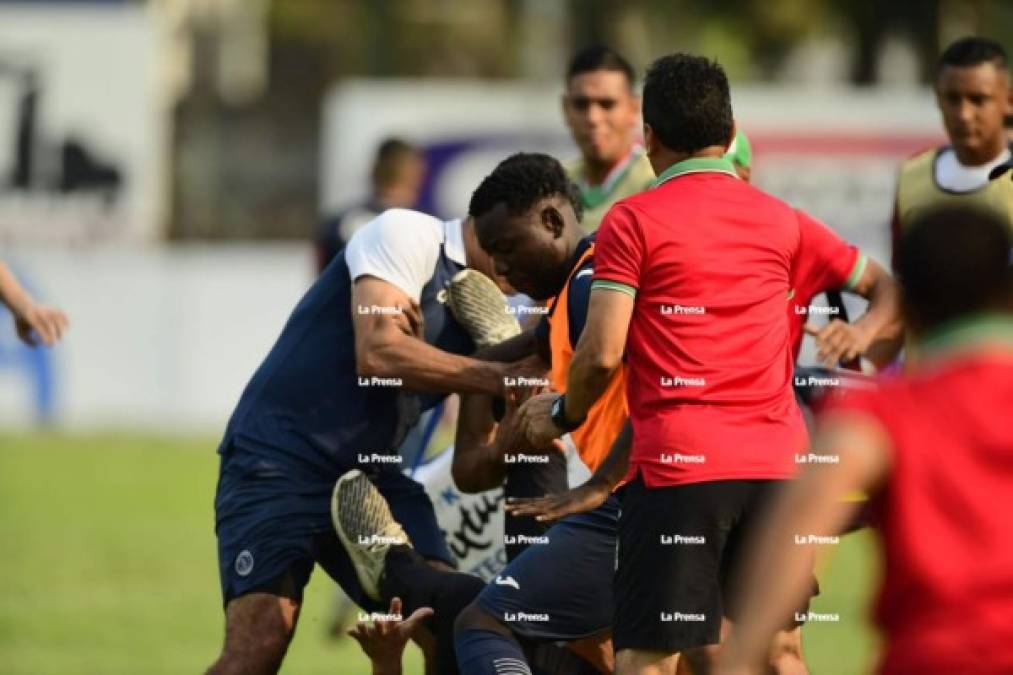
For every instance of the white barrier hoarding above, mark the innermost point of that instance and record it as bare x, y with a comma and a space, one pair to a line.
83, 124
160, 338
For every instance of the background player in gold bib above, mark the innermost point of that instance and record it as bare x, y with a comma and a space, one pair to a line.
974, 97
602, 112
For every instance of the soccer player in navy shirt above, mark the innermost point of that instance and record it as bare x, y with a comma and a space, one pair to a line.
368, 348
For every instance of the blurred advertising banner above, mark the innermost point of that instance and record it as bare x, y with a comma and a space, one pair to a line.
832, 152
82, 129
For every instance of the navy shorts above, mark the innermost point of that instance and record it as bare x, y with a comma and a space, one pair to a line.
562, 589
273, 522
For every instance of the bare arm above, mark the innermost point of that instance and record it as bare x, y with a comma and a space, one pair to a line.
383, 348
812, 505
30, 319
582, 498
514, 349
480, 443
877, 334
478, 460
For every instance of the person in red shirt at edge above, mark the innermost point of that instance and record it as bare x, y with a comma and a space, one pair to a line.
934, 449
691, 284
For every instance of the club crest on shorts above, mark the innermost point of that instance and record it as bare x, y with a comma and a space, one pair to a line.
244, 563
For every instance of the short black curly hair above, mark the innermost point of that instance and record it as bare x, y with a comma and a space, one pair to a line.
519, 181
953, 262
687, 102
972, 51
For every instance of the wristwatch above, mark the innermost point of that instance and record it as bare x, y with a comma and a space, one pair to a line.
559, 415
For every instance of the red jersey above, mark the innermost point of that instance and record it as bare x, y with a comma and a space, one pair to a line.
708, 259
825, 262
945, 514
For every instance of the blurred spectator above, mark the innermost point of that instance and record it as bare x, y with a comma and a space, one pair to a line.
397, 175
34, 323
973, 93
602, 111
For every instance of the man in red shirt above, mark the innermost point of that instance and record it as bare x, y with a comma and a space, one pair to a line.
934, 450
691, 284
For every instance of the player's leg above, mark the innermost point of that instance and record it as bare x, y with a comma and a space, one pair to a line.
785, 655
258, 629
557, 591
645, 662
265, 561
668, 579
375, 546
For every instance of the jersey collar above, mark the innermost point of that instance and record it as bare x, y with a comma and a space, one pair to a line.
453, 242
593, 196
696, 165
974, 332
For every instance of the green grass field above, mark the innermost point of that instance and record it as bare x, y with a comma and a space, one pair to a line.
109, 566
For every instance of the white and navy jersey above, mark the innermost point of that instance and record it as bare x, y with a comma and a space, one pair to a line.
306, 398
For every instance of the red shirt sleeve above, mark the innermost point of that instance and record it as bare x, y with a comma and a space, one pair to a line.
825, 260
619, 252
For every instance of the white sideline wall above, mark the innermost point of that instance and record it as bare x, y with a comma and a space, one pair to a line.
160, 338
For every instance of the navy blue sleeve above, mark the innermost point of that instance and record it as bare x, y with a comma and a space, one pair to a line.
542, 334
578, 298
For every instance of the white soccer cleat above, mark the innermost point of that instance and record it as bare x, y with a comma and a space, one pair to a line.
478, 305
366, 528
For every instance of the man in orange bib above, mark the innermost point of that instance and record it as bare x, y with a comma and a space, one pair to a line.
527, 217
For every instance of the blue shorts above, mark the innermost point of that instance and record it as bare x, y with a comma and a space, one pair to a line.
562, 589
273, 522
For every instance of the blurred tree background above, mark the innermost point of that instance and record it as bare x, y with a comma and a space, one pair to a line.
253, 73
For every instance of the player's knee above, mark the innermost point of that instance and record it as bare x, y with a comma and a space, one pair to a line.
474, 617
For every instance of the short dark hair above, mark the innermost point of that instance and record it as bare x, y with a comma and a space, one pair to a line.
596, 58
687, 102
952, 262
972, 51
389, 155
519, 181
